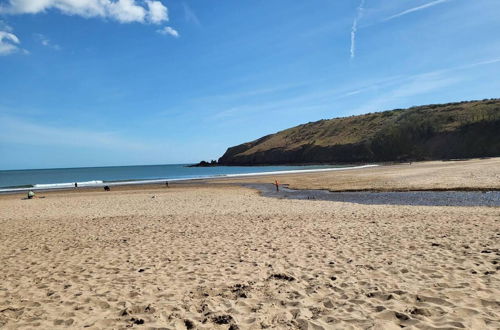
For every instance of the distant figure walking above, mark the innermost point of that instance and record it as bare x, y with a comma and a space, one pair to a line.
166, 183
277, 184
76, 185
106, 188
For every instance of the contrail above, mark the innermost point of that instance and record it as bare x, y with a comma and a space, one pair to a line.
411, 10
354, 28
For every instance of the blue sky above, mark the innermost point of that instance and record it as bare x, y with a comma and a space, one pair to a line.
105, 82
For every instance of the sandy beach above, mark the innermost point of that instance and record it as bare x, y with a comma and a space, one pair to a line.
473, 174
220, 256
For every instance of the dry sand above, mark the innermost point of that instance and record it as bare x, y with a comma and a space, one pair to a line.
219, 257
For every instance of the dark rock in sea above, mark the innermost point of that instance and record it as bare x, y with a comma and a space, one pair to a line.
205, 164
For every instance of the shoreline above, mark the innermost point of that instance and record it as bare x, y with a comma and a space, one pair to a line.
476, 175
100, 183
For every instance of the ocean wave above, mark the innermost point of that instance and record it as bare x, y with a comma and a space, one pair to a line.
68, 184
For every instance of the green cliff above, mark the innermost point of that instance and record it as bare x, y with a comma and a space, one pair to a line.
441, 131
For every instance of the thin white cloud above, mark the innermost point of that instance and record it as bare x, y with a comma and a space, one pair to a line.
415, 85
189, 15
355, 92
241, 96
5, 27
486, 62
17, 130
123, 11
354, 28
423, 83
420, 84
391, 92
167, 30
45, 41
414, 9
9, 43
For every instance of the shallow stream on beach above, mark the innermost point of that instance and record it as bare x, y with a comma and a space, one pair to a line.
422, 198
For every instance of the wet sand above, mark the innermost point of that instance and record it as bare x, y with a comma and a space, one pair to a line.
420, 198
216, 256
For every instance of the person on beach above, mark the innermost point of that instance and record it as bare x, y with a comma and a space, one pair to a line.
166, 183
31, 194
277, 184
76, 185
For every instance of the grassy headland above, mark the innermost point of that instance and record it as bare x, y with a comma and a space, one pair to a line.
441, 131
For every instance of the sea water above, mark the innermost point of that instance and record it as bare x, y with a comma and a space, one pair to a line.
95, 176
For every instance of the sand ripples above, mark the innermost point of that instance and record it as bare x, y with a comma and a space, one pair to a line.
227, 258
